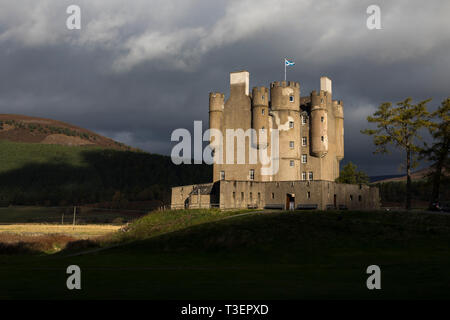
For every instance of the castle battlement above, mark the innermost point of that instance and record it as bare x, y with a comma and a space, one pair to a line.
285, 84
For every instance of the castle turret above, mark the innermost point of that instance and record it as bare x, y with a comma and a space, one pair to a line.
285, 104
319, 124
260, 113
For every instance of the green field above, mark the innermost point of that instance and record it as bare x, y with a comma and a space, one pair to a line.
206, 254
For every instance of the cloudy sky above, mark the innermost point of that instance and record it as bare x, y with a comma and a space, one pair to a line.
138, 69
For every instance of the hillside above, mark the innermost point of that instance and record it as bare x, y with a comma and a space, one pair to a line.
208, 254
20, 128
49, 162
416, 175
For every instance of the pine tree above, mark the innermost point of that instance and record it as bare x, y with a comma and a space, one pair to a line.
438, 151
400, 126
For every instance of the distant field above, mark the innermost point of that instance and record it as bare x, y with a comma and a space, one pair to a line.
208, 254
78, 231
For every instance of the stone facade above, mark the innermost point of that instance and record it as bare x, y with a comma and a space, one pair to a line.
310, 148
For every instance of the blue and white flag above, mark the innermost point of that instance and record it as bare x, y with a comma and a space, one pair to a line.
288, 63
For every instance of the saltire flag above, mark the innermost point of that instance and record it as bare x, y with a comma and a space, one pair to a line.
288, 63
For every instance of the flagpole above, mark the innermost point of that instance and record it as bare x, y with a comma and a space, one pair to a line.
284, 69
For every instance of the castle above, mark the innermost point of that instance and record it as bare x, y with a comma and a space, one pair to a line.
308, 151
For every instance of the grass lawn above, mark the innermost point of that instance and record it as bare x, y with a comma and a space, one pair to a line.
271, 255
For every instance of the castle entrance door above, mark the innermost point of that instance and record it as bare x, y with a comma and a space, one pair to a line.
290, 201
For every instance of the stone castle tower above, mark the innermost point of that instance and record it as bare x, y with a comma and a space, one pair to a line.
311, 129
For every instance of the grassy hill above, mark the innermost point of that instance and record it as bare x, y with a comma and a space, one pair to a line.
49, 162
206, 254
20, 128
34, 173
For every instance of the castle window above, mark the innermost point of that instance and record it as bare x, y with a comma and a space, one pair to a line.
291, 124
359, 198
291, 163
321, 100
234, 195
303, 175
262, 130
321, 138
321, 119
262, 98
273, 195
262, 110
304, 120
308, 195
310, 175
242, 196
222, 175
259, 198
351, 197
304, 141
251, 197
291, 144
252, 174
291, 98
304, 158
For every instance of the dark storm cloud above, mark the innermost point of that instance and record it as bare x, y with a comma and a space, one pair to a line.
139, 69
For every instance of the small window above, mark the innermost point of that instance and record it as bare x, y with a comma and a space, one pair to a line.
310, 176
222, 175
291, 144
262, 129
321, 138
242, 196
291, 163
304, 141
304, 158
262, 98
251, 197
351, 197
291, 98
321, 119
303, 175
252, 174
234, 195
359, 198
263, 111
308, 194
273, 195
321, 100
304, 120
291, 124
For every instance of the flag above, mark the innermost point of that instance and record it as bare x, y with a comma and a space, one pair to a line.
288, 63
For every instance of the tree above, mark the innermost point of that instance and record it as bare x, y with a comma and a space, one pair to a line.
437, 152
400, 126
350, 174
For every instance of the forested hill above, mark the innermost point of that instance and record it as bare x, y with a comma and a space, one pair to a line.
48, 162
61, 175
